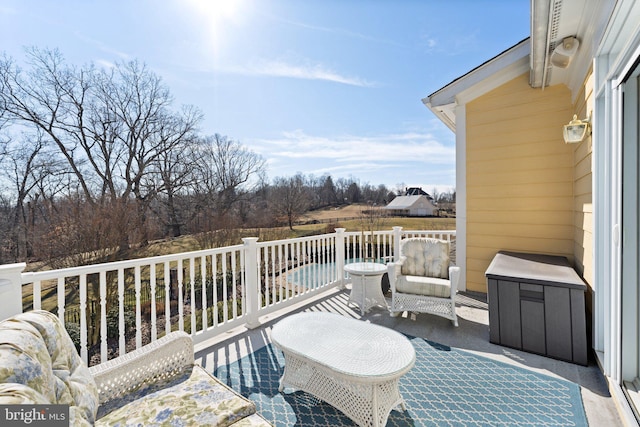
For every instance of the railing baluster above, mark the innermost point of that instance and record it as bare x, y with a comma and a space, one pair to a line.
180, 295
234, 288
214, 273
225, 298
83, 318
203, 275
152, 292
37, 295
275, 272
167, 297
324, 265
136, 272
103, 316
61, 298
121, 331
299, 251
192, 293
284, 256
309, 282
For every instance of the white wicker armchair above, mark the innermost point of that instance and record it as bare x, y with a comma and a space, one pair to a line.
424, 280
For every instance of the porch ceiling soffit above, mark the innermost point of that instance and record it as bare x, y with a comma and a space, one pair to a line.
500, 69
554, 20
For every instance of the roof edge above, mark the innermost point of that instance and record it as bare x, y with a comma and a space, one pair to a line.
506, 65
479, 73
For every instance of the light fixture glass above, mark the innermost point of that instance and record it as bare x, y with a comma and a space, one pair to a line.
576, 130
564, 52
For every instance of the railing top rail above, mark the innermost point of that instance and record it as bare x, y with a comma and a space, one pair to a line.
359, 232
353, 233
428, 231
29, 277
293, 240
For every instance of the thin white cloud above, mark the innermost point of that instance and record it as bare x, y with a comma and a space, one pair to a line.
415, 156
104, 63
276, 68
102, 46
8, 10
411, 146
339, 31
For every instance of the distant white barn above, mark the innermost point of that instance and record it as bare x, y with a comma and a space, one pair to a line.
419, 205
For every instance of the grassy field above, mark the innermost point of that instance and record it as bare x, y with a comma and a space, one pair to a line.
317, 222
387, 224
333, 217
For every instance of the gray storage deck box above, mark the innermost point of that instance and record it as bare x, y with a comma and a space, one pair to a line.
536, 304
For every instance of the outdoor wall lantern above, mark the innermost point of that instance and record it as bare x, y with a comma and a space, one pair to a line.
564, 52
576, 130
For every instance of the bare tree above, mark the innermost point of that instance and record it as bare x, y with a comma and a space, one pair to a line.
372, 218
147, 131
26, 164
114, 128
289, 198
436, 195
175, 177
226, 172
51, 97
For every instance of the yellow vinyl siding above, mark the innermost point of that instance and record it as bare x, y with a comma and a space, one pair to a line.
583, 186
519, 175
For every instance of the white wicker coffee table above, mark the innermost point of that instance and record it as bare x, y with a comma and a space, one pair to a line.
353, 365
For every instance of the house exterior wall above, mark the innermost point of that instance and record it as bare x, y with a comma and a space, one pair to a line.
519, 175
583, 191
421, 208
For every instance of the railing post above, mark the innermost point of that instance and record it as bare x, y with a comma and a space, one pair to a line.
397, 235
340, 256
252, 296
11, 289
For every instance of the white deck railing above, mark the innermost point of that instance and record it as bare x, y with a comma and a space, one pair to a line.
121, 305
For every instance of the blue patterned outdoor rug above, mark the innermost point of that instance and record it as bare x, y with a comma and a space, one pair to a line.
446, 387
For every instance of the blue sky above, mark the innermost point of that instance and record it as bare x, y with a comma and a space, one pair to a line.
313, 86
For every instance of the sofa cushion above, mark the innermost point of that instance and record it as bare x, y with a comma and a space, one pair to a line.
425, 257
37, 353
420, 285
20, 394
193, 398
24, 359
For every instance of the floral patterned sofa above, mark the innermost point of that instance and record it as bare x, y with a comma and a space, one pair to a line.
158, 384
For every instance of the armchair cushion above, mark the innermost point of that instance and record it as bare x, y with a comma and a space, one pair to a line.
420, 285
425, 257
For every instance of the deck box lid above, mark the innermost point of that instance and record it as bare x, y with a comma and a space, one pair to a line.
534, 268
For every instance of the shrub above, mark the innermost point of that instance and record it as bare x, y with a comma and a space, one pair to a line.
73, 329
113, 322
